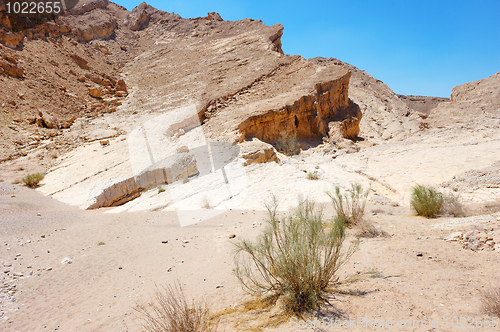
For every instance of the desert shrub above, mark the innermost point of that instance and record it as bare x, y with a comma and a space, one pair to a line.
350, 206
312, 176
32, 180
426, 201
287, 144
161, 190
295, 258
491, 301
452, 206
169, 311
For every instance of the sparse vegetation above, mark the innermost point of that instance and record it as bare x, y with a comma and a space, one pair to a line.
370, 231
426, 201
312, 176
160, 190
169, 311
452, 206
287, 144
350, 206
32, 180
295, 259
491, 301
101, 243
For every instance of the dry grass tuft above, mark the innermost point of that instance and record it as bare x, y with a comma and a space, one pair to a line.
452, 206
491, 301
169, 311
32, 180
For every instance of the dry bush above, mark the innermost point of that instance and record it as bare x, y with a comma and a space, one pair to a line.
287, 144
32, 180
452, 206
491, 301
169, 311
350, 206
295, 258
426, 201
368, 230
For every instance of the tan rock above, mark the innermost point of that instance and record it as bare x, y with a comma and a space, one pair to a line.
96, 93
256, 151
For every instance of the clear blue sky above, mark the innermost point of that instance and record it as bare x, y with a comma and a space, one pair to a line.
416, 47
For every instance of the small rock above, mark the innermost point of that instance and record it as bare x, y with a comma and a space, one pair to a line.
67, 260
39, 215
120, 268
419, 254
232, 236
456, 236
219, 286
7, 264
185, 241
17, 274
48, 269
169, 269
42, 236
164, 242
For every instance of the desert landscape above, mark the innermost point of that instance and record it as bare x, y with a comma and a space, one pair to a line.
159, 140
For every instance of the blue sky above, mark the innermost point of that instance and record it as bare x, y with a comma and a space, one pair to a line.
415, 47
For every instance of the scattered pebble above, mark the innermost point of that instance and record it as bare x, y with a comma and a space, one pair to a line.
232, 236
164, 242
185, 241
67, 260
419, 254
38, 214
219, 286
48, 269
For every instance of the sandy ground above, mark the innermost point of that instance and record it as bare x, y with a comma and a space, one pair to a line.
98, 290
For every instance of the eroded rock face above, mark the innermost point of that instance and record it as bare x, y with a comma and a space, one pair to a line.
166, 171
256, 152
139, 18
308, 116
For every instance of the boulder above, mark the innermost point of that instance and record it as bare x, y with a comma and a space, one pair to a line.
139, 18
256, 151
96, 93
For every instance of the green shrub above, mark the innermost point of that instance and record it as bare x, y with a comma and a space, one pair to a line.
32, 180
426, 201
169, 311
161, 190
287, 144
350, 206
295, 258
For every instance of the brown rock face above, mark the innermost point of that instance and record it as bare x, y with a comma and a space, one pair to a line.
11, 69
96, 93
139, 17
309, 116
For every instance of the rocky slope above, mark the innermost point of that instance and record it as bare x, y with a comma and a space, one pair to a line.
145, 92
